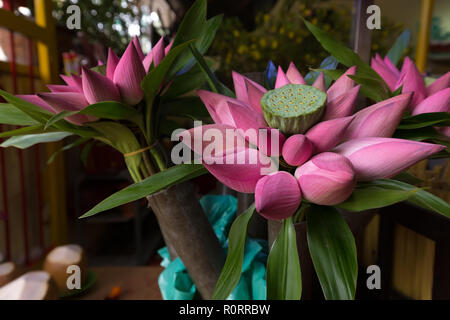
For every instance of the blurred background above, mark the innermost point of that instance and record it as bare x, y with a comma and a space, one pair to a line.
40, 201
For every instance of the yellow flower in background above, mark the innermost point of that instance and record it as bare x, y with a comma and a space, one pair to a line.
375, 46
256, 55
273, 29
228, 58
281, 30
326, 27
262, 42
266, 18
236, 33
291, 35
242, 49
298, 40
274, 44
314, 21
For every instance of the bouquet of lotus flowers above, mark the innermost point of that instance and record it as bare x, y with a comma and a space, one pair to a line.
303, 145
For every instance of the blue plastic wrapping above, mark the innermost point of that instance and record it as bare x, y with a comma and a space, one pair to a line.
175, 283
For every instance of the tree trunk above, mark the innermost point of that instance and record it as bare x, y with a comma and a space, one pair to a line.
186, 228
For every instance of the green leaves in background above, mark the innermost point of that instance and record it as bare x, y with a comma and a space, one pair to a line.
232, 270
420, 198
213, 82
284, 279
148, 186
371, 197
398, 49
333, 252
28, 140
194, 26
370, 80
191, 107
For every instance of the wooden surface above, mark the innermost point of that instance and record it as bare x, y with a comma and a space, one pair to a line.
136, 283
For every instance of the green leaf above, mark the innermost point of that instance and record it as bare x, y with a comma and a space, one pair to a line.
284, 279
425, 120
114, 111
9, 114
232, 270
122, 139
371, 88
33, 111
399, 47
333, 252
24, 130
186, 82
194, 26
407, 177
369, 197
148, 186
420, 198
59, 116
345, 55
100, 69
213, 82
191, 107
419, 134
329, 63
26, 141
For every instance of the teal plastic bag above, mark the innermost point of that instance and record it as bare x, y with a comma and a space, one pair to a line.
175, 283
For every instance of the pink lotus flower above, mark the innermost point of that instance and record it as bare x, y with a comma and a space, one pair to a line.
323, 122
122, 83
412, 81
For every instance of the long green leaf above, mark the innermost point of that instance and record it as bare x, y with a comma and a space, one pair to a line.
148, 186
345, 55
420, 198
9, 114
369, 197
333, 252
74, 144
284, 279
26, 141
213, 82
232, 270
34, 112
57, 117
399, 47
185, 107
39, 128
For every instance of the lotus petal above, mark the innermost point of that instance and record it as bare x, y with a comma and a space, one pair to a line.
98, 88
294, 76
343, 105
327, 134
297, 149
438, 102
341, 85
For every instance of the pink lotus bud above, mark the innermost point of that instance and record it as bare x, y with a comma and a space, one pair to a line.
128, 76
277, 196
98, 88
327, 134
138, 47
380, 119
320, 83
297, 149
439, 84
412, 81
111, 63
294, 76
327, 179
282, 80
343, 105
376, 158
438, 102
341, 85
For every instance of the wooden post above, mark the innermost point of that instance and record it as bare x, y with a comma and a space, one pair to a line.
361, 36
426, 12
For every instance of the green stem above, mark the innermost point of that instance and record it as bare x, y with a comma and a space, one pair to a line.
158, 159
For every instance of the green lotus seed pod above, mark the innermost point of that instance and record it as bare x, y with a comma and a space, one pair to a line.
293, 108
